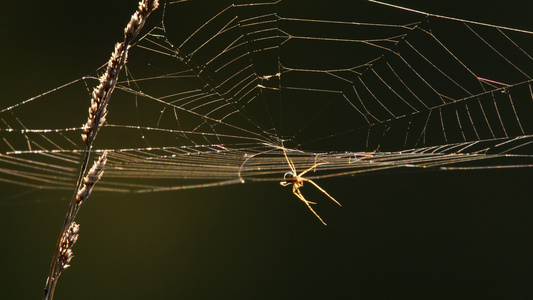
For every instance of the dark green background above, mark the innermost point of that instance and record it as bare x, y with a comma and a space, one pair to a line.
430, 235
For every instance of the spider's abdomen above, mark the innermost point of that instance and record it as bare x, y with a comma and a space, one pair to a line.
289, 176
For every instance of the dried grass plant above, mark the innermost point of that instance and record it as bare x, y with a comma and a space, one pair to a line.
97, 115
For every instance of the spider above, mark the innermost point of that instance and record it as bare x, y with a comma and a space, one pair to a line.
297, 181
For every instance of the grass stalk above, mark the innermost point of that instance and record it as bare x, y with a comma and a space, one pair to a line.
97, 115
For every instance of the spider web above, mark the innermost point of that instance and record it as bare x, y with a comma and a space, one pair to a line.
215, 95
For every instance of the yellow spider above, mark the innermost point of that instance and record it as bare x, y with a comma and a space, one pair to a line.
297, 181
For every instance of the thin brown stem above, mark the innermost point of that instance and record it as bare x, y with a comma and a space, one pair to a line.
97, 116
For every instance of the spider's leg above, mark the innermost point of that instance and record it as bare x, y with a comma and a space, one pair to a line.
289, 161
321, 189
312, 167
296, 191
298, 194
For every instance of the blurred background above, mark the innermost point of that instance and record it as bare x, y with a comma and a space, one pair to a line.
416, 235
